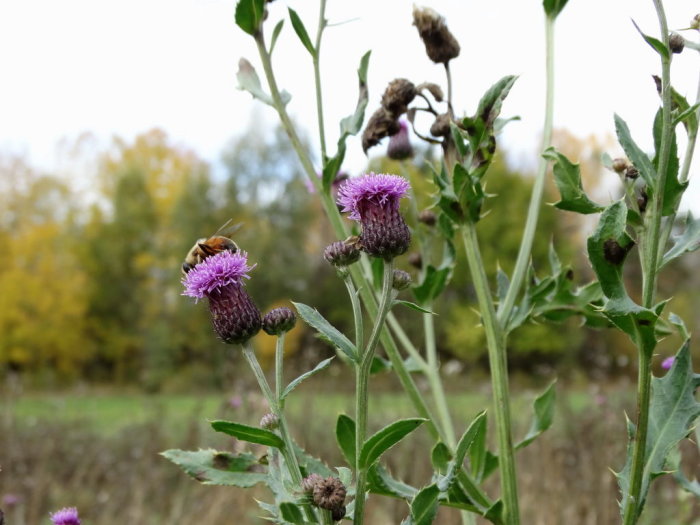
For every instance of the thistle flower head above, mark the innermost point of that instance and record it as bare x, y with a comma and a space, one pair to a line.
309, 482
399, 144
220, 278
270, 421
329, 493
216, 273
341, 253
279, 321
398, 95
440, 45
67, 516
401, 280
667, 363
373, 200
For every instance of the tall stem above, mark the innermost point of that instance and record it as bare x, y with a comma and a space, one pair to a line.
433, 372
362, 388
317, 79
499, 376
279, 368
356, 311
650, 266
506, 307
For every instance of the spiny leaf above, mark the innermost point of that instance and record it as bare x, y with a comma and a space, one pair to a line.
345, 436
291, 513
688, 241
326, 330
639, 159
248, 433
543, 415
386, 438
433, 283
492, 101
413, 306
379, 481
212, 467
303, 377
567, 177
425, 505
463, 446
673, 189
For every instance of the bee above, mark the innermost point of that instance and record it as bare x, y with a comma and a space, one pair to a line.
206, 247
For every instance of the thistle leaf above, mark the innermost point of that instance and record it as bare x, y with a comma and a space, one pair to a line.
211, 467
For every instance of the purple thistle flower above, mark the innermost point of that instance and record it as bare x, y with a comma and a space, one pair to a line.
373, 200
67, 516
667, 363
220, 278
399, 144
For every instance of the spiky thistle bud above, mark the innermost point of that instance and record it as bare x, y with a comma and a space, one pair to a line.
341, 253
329, 493
398, 95
270, 421
402, 280
427, 217
440, 45
399, 144
220, 278
309, 482
373, 201
279, 321
381, 124
619, 165
676, 43
67, 516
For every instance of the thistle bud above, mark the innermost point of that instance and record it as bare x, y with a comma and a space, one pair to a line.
427, 217
338, 513
631, 172
676, 43
398, 95
341, 253
270, 422
402, 280
619, 165
642, 201
329, 493
440, 45
667, 363
220, 278
381, 124
309, 482
416, 260
399, 144
373, 201
278, 321
695, 22
441, 126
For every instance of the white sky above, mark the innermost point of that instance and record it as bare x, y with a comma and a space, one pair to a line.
125, 66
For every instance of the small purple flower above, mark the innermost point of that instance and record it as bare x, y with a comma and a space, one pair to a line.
67, 516
399, 144
10, 500
235, 401
220, 278
373, 200
667, 363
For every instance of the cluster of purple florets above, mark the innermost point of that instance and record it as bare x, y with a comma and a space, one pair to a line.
67, 516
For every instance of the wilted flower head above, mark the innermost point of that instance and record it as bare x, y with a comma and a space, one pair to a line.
381, 124
279, 321
373, 200
440, 45
67, 516
220, 278
399, 144
309, 482
329, 493
398, 95
667, 363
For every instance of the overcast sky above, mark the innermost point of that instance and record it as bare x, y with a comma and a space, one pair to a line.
123, 67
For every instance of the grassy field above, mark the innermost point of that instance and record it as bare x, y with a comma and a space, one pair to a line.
99, 451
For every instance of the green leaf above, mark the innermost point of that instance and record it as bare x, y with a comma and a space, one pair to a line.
688, 117
687, 242
414, 306
275, 34
379, 365
640, 159
248, 433
469, 192
543, 415
477, 449
249, 15
249, 81
379, 481
291, 386
656, 44
552, 8
212, 467
326, 330
672, 413
458, 139
433, 284
291, 513
386, 438
492, 101
345, 436
440, 456
301, 32
567, 177
673, 188
310, 464
463, 446
425, 505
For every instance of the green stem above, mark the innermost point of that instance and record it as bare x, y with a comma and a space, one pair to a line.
317, 79
505, 309
356, 311
279, 369
362, 388
499, 376
650, 264
326, 517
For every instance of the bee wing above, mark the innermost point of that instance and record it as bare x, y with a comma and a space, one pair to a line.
227, 229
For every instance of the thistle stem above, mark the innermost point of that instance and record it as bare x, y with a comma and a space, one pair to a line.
362, 388
317, 79
499, 376
506, 307
279, 368
356, 311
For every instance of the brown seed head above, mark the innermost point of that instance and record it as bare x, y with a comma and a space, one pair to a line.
398, 95
631, 172
676, 42
440, 45
433, 89
309, 482
441, 126
338, 513
329, 493
381, 124
619, 165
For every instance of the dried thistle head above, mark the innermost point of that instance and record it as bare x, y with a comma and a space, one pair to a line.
329, 493
441, 126
440, 45
381, 124
398, 95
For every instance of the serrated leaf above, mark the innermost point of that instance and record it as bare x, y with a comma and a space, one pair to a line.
345, 475
275, 35
326, 330
309, 464
458, 139
291, 513
433, 284
345, 436
386, 438
655, 43
502, 284
424, 506
301, 32
413, 306
463, 445
639, 159
567, 177
212, 467
247, 433
303, 377
469, 192
492, 101
673, 409
379, 481
687, 242
249, 15
477, 449
543, 408
673, 189
552, 8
